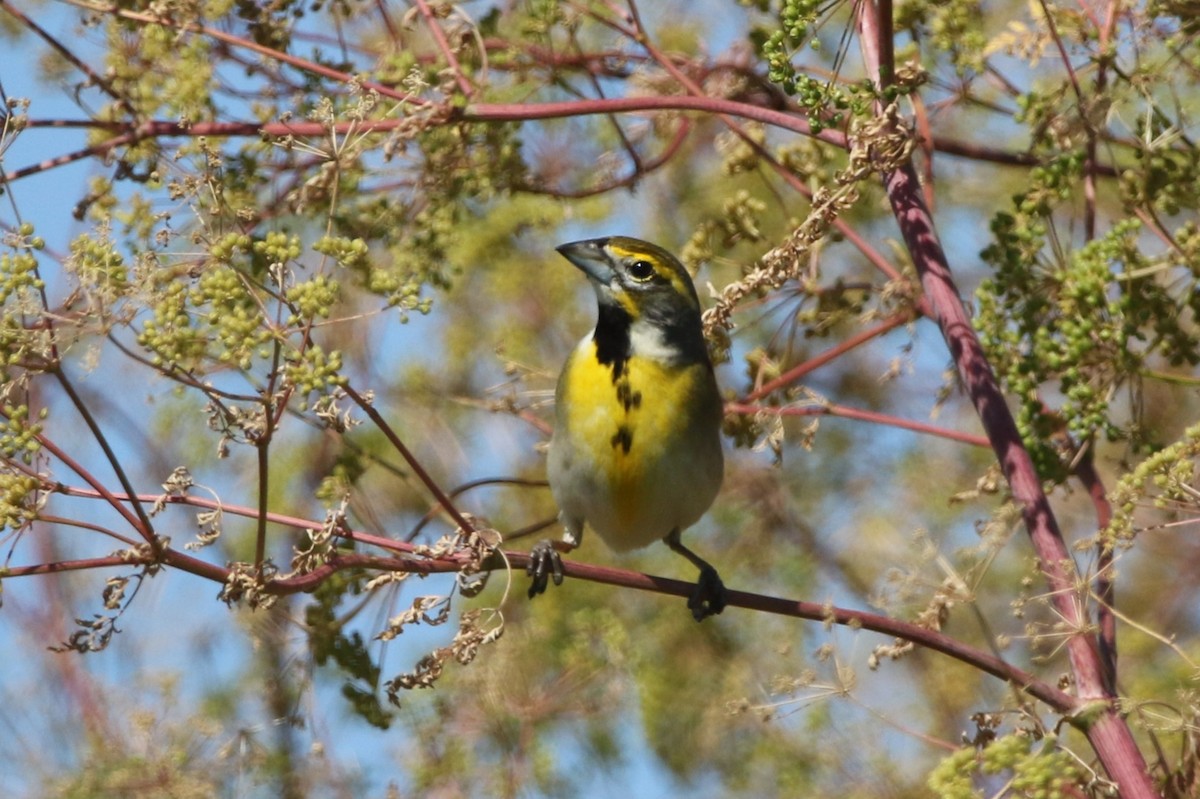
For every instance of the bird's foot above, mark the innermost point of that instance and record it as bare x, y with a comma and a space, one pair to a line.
709, 597
545, 564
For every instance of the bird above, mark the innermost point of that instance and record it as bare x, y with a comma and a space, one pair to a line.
636, 449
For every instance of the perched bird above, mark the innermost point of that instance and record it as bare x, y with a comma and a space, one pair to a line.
636, 451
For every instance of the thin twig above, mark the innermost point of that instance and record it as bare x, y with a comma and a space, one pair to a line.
412, 461
439, 38
841, 348
859, 415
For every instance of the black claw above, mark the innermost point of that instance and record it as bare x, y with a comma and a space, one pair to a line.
545, 564
709, 597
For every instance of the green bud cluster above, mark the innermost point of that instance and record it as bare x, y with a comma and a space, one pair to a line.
18, 274
18, 435
1166, 177
169, 334
235, 323
313, 299
351, 253
22, 343
314, 371
1049, 773
1168, 475
159, 72
956, 28
229, 246
18, 494
100, 269
278, 247
824, 99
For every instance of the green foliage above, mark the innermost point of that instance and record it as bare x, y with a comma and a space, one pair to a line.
1043, 325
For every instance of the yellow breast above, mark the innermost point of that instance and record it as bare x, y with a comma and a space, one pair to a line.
636, 452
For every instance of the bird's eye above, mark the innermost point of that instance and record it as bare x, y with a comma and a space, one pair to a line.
641, 271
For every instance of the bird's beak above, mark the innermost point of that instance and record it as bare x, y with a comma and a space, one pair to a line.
590, 257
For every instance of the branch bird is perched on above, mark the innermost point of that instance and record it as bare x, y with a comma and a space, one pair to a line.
636, 451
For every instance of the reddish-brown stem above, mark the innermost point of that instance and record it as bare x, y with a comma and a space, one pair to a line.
131, 519
929, 639
439, 37
823, 612
507, 112
479, 112
411, 459
60, 566
941, 144
70, 158
262, 449
1107, 731
862, 416
841, 348
47, 518
239, 510
170, 557
1085, 470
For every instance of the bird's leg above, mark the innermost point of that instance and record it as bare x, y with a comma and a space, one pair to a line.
545, 562
709, 597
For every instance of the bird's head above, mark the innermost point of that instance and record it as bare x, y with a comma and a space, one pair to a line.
641, 279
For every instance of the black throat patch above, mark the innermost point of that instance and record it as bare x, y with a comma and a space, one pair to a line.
612, 338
